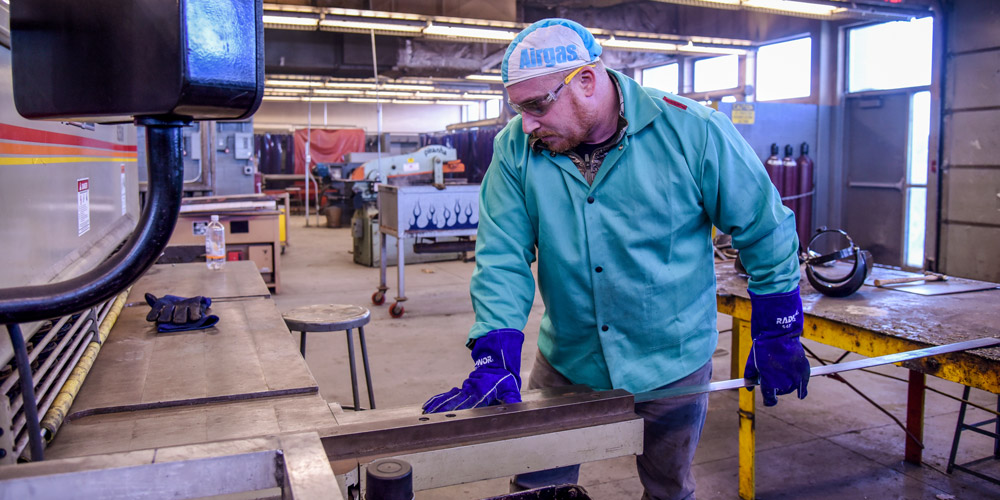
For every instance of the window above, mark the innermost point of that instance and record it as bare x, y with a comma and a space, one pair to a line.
784, 70
492, 108
663, 78
471, 111
916, 180
716, 73
890, 55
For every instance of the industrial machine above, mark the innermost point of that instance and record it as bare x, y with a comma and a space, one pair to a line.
421, 198
435, 168
158, 65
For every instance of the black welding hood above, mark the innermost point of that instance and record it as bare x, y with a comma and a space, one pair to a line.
834, 282
110, 60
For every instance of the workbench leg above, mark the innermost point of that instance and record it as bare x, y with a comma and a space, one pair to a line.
400, 248
736, 361
382, 261
915, 417
747, 440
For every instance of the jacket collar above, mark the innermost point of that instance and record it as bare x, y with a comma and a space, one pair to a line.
640, 109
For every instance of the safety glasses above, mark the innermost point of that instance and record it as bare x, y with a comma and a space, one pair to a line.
540, 105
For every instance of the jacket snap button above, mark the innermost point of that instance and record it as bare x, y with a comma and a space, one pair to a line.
598, 269
590, 199
604, 328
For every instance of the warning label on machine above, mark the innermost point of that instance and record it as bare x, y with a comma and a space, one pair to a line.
82, 206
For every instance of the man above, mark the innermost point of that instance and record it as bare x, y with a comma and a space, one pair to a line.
615, 188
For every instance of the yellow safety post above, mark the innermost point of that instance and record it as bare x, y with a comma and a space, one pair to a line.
747, 441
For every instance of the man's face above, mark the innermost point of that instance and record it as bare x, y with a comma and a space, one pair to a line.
565, 123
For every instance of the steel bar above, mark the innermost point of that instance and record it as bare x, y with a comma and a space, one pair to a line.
553, 410
899, 357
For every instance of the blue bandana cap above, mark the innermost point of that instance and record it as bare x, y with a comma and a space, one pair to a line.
548, 46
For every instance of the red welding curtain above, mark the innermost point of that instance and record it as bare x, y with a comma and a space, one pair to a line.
327, 146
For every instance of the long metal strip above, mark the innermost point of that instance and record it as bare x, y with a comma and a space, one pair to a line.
899, 357
542, 412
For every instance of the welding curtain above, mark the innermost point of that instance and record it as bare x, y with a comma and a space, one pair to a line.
473, 146
326, 146
274, 153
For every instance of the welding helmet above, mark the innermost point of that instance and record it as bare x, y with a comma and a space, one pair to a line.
838, 280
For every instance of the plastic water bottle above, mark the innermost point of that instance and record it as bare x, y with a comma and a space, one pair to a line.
215, 244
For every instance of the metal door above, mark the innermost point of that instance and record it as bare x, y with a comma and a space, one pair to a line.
876, 132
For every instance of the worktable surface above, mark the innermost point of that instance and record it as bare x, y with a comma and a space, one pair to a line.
930, 320
244, 377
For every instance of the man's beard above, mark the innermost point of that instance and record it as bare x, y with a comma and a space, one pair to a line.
575, 134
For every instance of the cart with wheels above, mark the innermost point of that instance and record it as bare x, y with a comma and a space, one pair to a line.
425, 212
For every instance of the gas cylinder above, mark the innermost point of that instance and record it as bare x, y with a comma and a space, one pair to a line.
803, 217
774, 167
789, 179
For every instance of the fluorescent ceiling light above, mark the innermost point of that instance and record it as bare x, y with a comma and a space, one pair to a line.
290, 20
350, 85
338, 91
469, 32
792, 6
405, 86
453, 103
287, 91
327, 99
389, 93
486, 78
411, 101
365, 25
292, 83
617, 43
361, 99
440, 95
281, 98
698, 49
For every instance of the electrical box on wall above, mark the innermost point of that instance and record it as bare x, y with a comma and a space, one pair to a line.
243, 149
217, 158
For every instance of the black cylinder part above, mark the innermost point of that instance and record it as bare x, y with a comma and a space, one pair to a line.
389, 479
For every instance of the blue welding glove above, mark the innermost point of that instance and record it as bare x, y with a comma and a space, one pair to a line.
496, 378
176, 314
777, 361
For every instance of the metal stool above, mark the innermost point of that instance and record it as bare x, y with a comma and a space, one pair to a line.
331, 318
977, 428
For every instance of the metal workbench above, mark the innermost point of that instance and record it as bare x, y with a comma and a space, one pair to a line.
874, 322
242, 378
215, 406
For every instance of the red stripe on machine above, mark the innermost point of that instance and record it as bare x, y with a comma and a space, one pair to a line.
15, 133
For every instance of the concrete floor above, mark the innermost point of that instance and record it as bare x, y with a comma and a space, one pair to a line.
831, 445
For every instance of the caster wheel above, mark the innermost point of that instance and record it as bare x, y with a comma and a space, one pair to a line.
396, 311
378, 298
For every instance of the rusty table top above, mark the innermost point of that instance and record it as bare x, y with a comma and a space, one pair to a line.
930, 320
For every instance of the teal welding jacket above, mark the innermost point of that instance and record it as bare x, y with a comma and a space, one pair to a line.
626, 265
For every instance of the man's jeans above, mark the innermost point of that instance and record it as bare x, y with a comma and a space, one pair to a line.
671, 432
